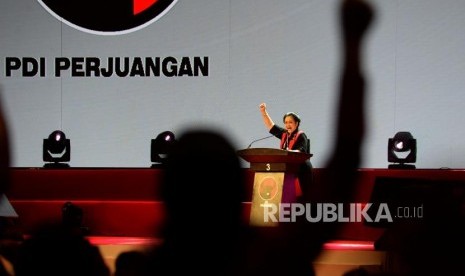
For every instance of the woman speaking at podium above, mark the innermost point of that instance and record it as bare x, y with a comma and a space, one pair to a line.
292, 139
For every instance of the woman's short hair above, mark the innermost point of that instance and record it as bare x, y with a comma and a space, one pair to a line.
293, 115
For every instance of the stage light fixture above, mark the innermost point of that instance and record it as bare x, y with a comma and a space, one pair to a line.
402, 149
161, 146
56, 150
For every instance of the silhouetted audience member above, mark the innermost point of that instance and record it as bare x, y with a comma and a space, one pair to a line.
290, 248
3, 271
4, 152
131, 263
4, 181
54, 250
203, 190
4, 165
427, 245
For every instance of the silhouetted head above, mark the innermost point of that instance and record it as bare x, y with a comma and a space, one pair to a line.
203, 185
130, 263
53, 250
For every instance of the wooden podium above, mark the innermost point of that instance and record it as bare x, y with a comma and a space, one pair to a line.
276, 172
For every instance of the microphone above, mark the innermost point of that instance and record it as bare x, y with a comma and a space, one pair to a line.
259, 140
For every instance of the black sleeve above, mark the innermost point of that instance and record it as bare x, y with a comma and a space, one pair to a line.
301, 143
277, 131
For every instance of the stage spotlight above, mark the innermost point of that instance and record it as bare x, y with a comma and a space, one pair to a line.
402, 149
161, 146
56, 150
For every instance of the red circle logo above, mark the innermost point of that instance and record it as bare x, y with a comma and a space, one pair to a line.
108, 17
268, 188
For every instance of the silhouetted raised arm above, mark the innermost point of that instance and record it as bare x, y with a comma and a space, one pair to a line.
356, 16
